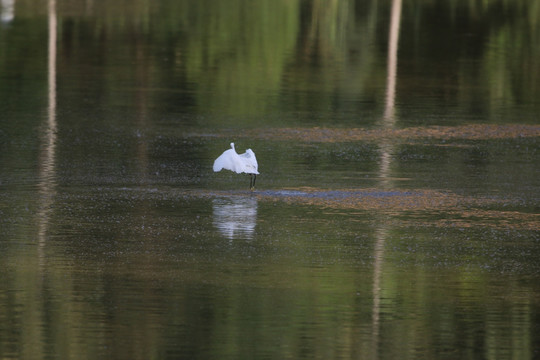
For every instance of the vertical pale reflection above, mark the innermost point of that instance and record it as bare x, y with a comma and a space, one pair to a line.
389, 117
380, 237
388, 122
35, 337
7, 11
393, 41
52, 68
48, 148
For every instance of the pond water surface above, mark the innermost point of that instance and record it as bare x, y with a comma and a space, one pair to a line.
396, 216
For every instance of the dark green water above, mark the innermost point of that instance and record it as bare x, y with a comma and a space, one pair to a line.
397, 214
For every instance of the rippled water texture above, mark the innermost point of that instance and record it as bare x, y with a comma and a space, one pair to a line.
396, 214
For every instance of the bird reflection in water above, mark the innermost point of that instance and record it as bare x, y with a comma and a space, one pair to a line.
235, 217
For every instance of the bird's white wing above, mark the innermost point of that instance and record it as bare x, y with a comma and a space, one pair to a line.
229, 160
250, 162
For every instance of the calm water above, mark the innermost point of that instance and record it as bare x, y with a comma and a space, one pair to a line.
397, 214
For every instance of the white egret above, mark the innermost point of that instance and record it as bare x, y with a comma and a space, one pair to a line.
239, 163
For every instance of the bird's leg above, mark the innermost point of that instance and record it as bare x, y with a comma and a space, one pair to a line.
252, 178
